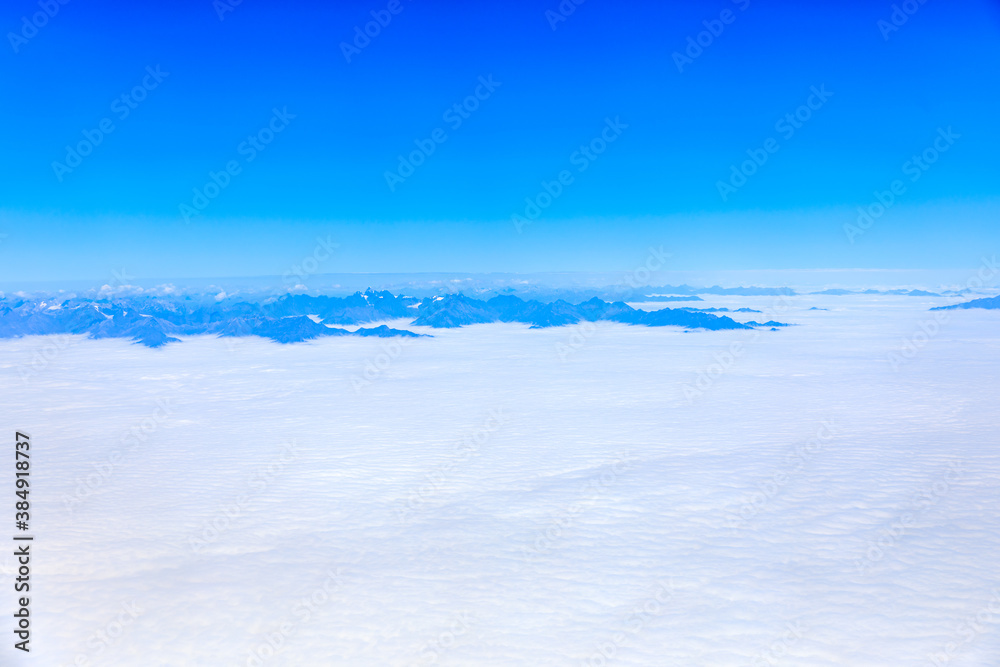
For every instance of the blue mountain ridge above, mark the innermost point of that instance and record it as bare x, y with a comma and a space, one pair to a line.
990, 303
156, 321
624, 292
457, 310
721, 310
895, 292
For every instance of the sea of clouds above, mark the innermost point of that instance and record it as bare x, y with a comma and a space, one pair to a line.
497, 495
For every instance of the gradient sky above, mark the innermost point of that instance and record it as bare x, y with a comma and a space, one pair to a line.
324, 174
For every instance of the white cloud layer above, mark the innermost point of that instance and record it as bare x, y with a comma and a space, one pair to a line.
483, 499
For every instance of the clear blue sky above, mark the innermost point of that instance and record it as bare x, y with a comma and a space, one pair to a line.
324, 173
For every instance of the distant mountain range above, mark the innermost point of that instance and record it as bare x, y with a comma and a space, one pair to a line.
991, 303
897, 292
156, 321
634, 294
721, 310
457, 310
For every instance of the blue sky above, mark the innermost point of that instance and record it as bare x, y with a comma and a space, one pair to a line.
341, 126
